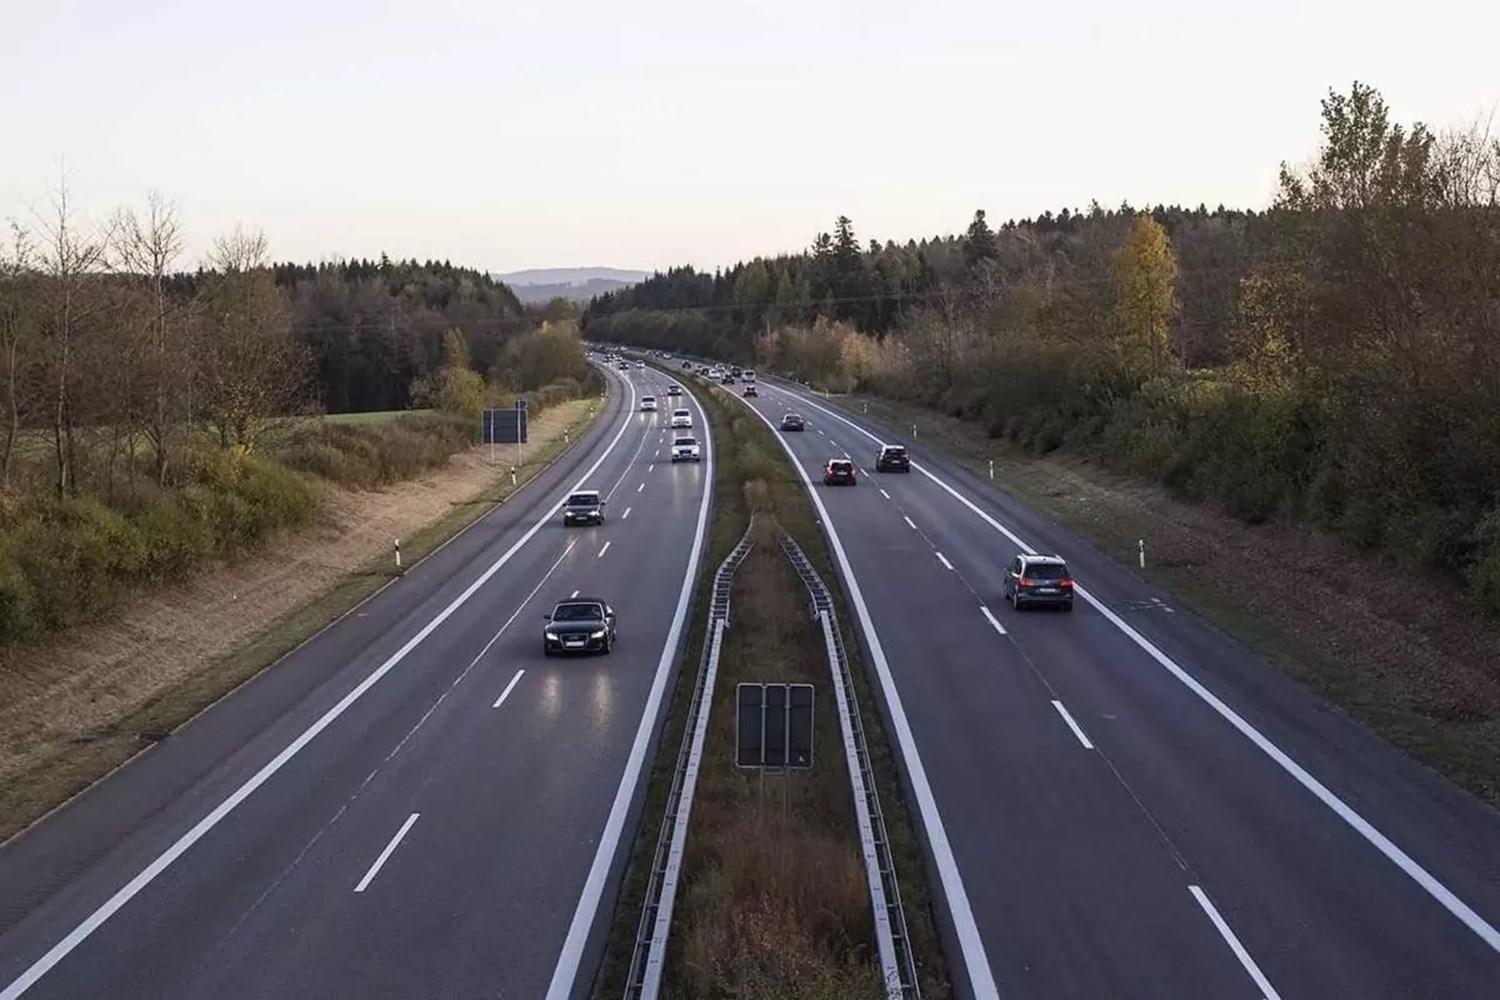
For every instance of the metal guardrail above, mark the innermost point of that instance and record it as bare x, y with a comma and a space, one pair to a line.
648, 957
897, 966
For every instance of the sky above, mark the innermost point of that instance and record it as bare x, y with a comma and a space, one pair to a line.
507, 135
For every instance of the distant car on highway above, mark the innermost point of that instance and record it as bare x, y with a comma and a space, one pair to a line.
624, 366
682, 418
640, 364
749, 375
1038, 579
583, 507
648, 404
685, 449
674, 389
793, 422
838, 472
579, 625
892, 458
688, 365
750, 389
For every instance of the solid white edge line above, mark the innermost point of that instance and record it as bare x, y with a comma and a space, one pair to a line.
163, 861
971, 945
1266, 989
994, 622
509, 687
1485, 931
568, 960
604, 550
1068, 718
944, 560
386, 854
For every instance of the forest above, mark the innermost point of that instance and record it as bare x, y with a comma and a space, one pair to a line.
1332, 359
153, 417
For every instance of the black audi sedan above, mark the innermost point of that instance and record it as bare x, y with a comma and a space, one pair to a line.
579, 625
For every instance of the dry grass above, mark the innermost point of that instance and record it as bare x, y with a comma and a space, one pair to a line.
775, 902
758, 935
1422, 672
76, 705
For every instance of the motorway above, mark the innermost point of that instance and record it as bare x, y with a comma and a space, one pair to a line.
1124, 801
415, 802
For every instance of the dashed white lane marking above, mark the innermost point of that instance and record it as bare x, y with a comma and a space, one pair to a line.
640, 487
944, 560
992, 619
1068, 718
909, 523
1264, 985
604, 550
386, 854
572, 595
885, 494
513, 681
627, 513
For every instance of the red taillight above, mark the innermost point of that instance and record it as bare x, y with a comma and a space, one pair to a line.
1066, 582
1024, 582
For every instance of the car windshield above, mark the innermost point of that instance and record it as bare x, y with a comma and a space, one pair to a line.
840, 466
1046, 571
895, 452
578, 613
583, 500
791, 418
685, 441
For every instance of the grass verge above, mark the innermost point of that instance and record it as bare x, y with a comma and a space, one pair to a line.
1423, 675
734, 934
49, 779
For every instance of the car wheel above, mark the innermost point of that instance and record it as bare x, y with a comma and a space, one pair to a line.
546, 649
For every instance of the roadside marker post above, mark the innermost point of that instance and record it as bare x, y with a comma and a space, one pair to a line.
398, 553
992, 468
1142, 545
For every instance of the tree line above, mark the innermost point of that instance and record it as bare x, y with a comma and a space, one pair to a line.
1333, 359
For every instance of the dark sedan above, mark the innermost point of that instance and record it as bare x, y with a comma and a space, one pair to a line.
579, 625
793, 422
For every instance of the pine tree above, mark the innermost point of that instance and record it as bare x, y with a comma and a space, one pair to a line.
979, 241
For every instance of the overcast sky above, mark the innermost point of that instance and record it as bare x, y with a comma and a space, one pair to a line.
645, 134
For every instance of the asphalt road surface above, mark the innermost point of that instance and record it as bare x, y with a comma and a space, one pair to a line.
1124, 801
416, 803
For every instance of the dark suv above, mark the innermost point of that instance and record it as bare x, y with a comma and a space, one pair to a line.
1038, 580
892, 458
579, 625
838, 472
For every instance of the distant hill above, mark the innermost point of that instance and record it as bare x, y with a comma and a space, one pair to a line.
542, 284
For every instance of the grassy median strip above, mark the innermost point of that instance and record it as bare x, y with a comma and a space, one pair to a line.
51, 777
774, 901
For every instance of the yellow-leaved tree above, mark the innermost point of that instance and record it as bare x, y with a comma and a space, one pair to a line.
1145, 273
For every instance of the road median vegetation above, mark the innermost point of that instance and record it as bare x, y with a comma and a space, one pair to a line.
773, 900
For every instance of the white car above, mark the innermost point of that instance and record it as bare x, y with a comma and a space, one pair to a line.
640, 364
685, 449
749, 375
648, 404
682, 418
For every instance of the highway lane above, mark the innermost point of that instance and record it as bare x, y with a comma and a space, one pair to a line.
435, 838
1115, 833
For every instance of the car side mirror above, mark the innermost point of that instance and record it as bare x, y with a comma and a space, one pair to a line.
546, 618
